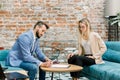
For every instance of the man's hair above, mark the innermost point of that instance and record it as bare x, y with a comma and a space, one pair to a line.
40, 23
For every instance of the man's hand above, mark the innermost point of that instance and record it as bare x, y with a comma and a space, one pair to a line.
47, 59
46, 64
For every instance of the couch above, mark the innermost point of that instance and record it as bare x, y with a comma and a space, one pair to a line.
110, 70
3, 55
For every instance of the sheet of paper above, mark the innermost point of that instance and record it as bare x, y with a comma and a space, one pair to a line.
60, 65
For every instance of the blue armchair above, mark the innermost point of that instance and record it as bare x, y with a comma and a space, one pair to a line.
3, 55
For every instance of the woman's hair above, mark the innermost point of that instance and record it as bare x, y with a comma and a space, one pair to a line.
85, 35
88, 26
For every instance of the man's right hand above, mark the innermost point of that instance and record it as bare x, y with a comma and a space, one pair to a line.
46, 64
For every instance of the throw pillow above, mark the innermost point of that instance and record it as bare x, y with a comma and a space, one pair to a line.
111, 55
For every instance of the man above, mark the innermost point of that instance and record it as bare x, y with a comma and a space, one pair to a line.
26, 53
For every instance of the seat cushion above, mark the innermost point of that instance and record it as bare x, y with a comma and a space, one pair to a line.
94, 71
9, 68
112, 55
107, 71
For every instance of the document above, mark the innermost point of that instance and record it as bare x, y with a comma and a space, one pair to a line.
60, 65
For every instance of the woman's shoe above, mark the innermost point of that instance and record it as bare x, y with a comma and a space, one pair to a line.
74, 78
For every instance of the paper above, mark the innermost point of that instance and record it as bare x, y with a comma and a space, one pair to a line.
60, 65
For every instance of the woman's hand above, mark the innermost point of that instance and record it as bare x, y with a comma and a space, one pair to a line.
69, 55
91, 57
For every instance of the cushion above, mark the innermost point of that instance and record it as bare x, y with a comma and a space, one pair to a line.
107, 71
112, 55
114, 45
3, 54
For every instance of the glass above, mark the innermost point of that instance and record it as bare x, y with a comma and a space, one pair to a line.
62, 58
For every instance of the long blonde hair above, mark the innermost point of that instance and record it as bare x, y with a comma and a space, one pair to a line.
86, 35
88, 26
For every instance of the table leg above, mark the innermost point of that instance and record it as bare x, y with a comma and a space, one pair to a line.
52, 76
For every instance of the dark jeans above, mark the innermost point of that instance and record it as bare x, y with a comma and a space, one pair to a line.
81, 61
32, 70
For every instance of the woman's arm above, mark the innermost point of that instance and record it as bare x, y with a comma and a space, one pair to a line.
101, 45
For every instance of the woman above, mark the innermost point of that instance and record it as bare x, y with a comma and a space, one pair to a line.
91, 48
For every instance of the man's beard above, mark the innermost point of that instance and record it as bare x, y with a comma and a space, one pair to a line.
37, 34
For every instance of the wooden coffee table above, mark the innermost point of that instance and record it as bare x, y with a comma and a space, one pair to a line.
72, 68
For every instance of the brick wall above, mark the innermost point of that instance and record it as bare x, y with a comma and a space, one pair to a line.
17, 16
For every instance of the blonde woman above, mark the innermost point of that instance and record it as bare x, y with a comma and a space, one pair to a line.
91, 48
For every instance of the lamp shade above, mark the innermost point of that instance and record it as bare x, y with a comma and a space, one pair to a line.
112, 7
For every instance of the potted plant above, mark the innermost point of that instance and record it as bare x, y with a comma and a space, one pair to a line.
115, 20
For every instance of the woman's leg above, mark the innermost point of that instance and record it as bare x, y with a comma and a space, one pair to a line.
74, 60
31, 68
81, 61
86, 61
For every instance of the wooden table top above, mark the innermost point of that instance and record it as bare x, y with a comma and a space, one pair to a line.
72, 68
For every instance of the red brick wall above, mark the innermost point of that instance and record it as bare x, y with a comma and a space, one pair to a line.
17, 16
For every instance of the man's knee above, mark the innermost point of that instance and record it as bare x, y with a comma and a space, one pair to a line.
34, 68
28, 66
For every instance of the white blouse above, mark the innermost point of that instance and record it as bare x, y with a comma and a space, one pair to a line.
86, 46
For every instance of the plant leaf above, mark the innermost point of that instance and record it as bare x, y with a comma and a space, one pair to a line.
114, 22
